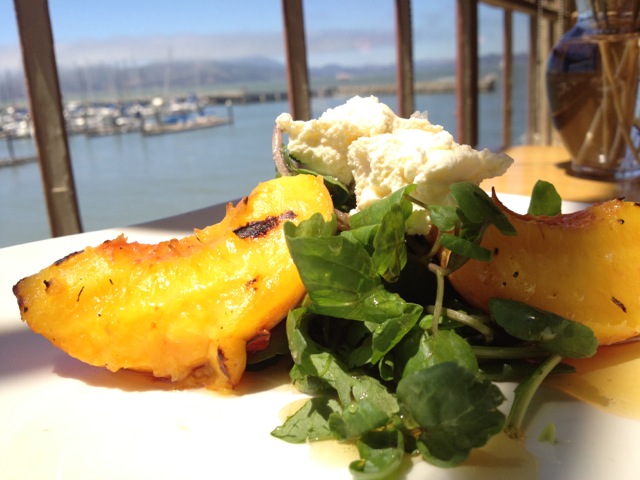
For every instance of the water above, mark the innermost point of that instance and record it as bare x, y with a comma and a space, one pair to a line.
129, 178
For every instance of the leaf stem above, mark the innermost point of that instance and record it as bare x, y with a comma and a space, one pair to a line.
435, 247
524, 394
508, 353
469, 320
276, 150
440, 273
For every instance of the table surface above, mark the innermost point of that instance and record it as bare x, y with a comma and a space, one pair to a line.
531, 163
552, 163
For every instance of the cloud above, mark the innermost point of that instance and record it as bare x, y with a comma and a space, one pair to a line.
10, 58
351, 47
337, 47
147, 49
160, 47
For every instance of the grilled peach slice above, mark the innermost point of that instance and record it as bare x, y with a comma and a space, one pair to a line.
183, 309
584, 266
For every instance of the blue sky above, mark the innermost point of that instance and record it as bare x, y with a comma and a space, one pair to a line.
338, 31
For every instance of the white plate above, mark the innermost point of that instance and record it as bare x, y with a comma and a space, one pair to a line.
62, 419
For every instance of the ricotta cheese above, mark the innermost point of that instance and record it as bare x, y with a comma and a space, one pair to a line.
364, 142
322, 144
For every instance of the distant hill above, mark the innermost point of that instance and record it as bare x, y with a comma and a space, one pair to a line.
251, 74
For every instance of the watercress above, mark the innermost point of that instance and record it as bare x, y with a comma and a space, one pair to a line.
399, 373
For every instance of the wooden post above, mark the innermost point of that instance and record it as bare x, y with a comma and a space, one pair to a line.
404, 54
546, 40
296, 53
467, 72
507, 79
533, 94
45, 103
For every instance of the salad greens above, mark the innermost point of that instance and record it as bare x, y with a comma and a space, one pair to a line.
392, 360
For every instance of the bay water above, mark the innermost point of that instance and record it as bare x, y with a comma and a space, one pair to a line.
130, 178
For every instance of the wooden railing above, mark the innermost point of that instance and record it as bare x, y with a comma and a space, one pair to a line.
548, 20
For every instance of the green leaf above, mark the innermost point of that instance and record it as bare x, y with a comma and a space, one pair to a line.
390, 252
310, 422
548, 330
363, 235
277, 347
386, 335
475, 212
309, 384
375, 212
545, 200
381, 230
453, 409
448, 346
334, 270
357, 419
381, 455
314, 226
341, 195
548, 434
296, 323
445, 218
313, 360
465, 248
424, 350
342, 282
478, 207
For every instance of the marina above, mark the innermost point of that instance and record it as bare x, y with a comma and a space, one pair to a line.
147, 116
156, 115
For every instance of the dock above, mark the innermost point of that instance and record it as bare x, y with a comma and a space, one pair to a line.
441, 86
444, 85
12, 162
197, 124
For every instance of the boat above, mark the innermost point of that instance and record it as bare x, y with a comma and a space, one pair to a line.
194, 123
180, 116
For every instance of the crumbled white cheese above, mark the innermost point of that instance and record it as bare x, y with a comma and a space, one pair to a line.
365, 142
433, 161
322, 144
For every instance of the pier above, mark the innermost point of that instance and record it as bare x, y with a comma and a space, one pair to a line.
196, 124
440, 86
14, 161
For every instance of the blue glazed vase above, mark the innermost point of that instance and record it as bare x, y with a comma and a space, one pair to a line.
592, 87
